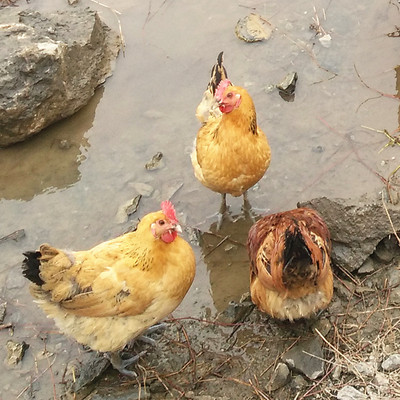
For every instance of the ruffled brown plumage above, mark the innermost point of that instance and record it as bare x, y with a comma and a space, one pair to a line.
290, 267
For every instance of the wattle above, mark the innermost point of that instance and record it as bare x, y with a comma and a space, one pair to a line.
226, 108
169, 237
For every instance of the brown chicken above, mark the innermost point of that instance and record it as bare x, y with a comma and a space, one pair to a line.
231, 153
290, 267
111, 294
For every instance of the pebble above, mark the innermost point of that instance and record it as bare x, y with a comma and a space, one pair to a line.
364, 369
306, 357
279, 378
3, 311
391, 363
381, 380
367, 267
155, 162
15, 351
350, 393
253, 28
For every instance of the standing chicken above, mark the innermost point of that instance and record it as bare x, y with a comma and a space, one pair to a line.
231, 153
111, 294
290, 269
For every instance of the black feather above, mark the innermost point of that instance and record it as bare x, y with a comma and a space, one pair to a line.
218, 73
31, 267
296, 254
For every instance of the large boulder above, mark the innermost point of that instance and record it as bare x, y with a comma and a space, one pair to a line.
359, 228
50, 66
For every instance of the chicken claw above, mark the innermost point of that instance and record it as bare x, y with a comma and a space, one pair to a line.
120, 364
145, 339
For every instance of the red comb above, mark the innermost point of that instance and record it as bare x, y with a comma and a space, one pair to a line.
169, 210
221, 88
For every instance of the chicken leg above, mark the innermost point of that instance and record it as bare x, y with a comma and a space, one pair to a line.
145, 339
223, 211
247, 209
120, 364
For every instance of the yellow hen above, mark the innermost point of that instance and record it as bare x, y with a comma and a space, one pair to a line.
109, 295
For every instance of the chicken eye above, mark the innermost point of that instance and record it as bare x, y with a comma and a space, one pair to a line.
229, 95
161, 222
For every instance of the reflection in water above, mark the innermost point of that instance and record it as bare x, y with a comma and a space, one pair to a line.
227, 261
49, 160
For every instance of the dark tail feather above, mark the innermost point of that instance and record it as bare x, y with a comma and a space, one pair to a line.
218, 73
296, 253
30, 267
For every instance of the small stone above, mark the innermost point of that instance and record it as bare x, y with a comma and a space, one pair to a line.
391, 363
288, 84
236, 312
127, 209
16, 235
279, 378
350, 393
253, 28
326, 40
15, 351
365, 369
387, 249
3, 311
318, 149
367, 267
323, 325
155, 162
306, 357
298, 382
337, 373
381, 380
395, 296
394, 278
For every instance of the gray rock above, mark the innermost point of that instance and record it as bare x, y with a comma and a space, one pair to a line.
365, 369
386, 249
394, 278
155, 163
16, 235
298, 383
391, 363
253, 28
279, 378
350, 393
3, 311
381, 380
80, 374
367, 267
357, 227
50, 66
15, 351
306, 357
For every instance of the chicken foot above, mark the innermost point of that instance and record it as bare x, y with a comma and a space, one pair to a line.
145, 339
223, 211
247, 209
120, 364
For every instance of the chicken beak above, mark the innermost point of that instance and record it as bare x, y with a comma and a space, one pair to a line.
177, 228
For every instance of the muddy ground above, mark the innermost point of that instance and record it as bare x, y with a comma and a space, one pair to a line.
338, 138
